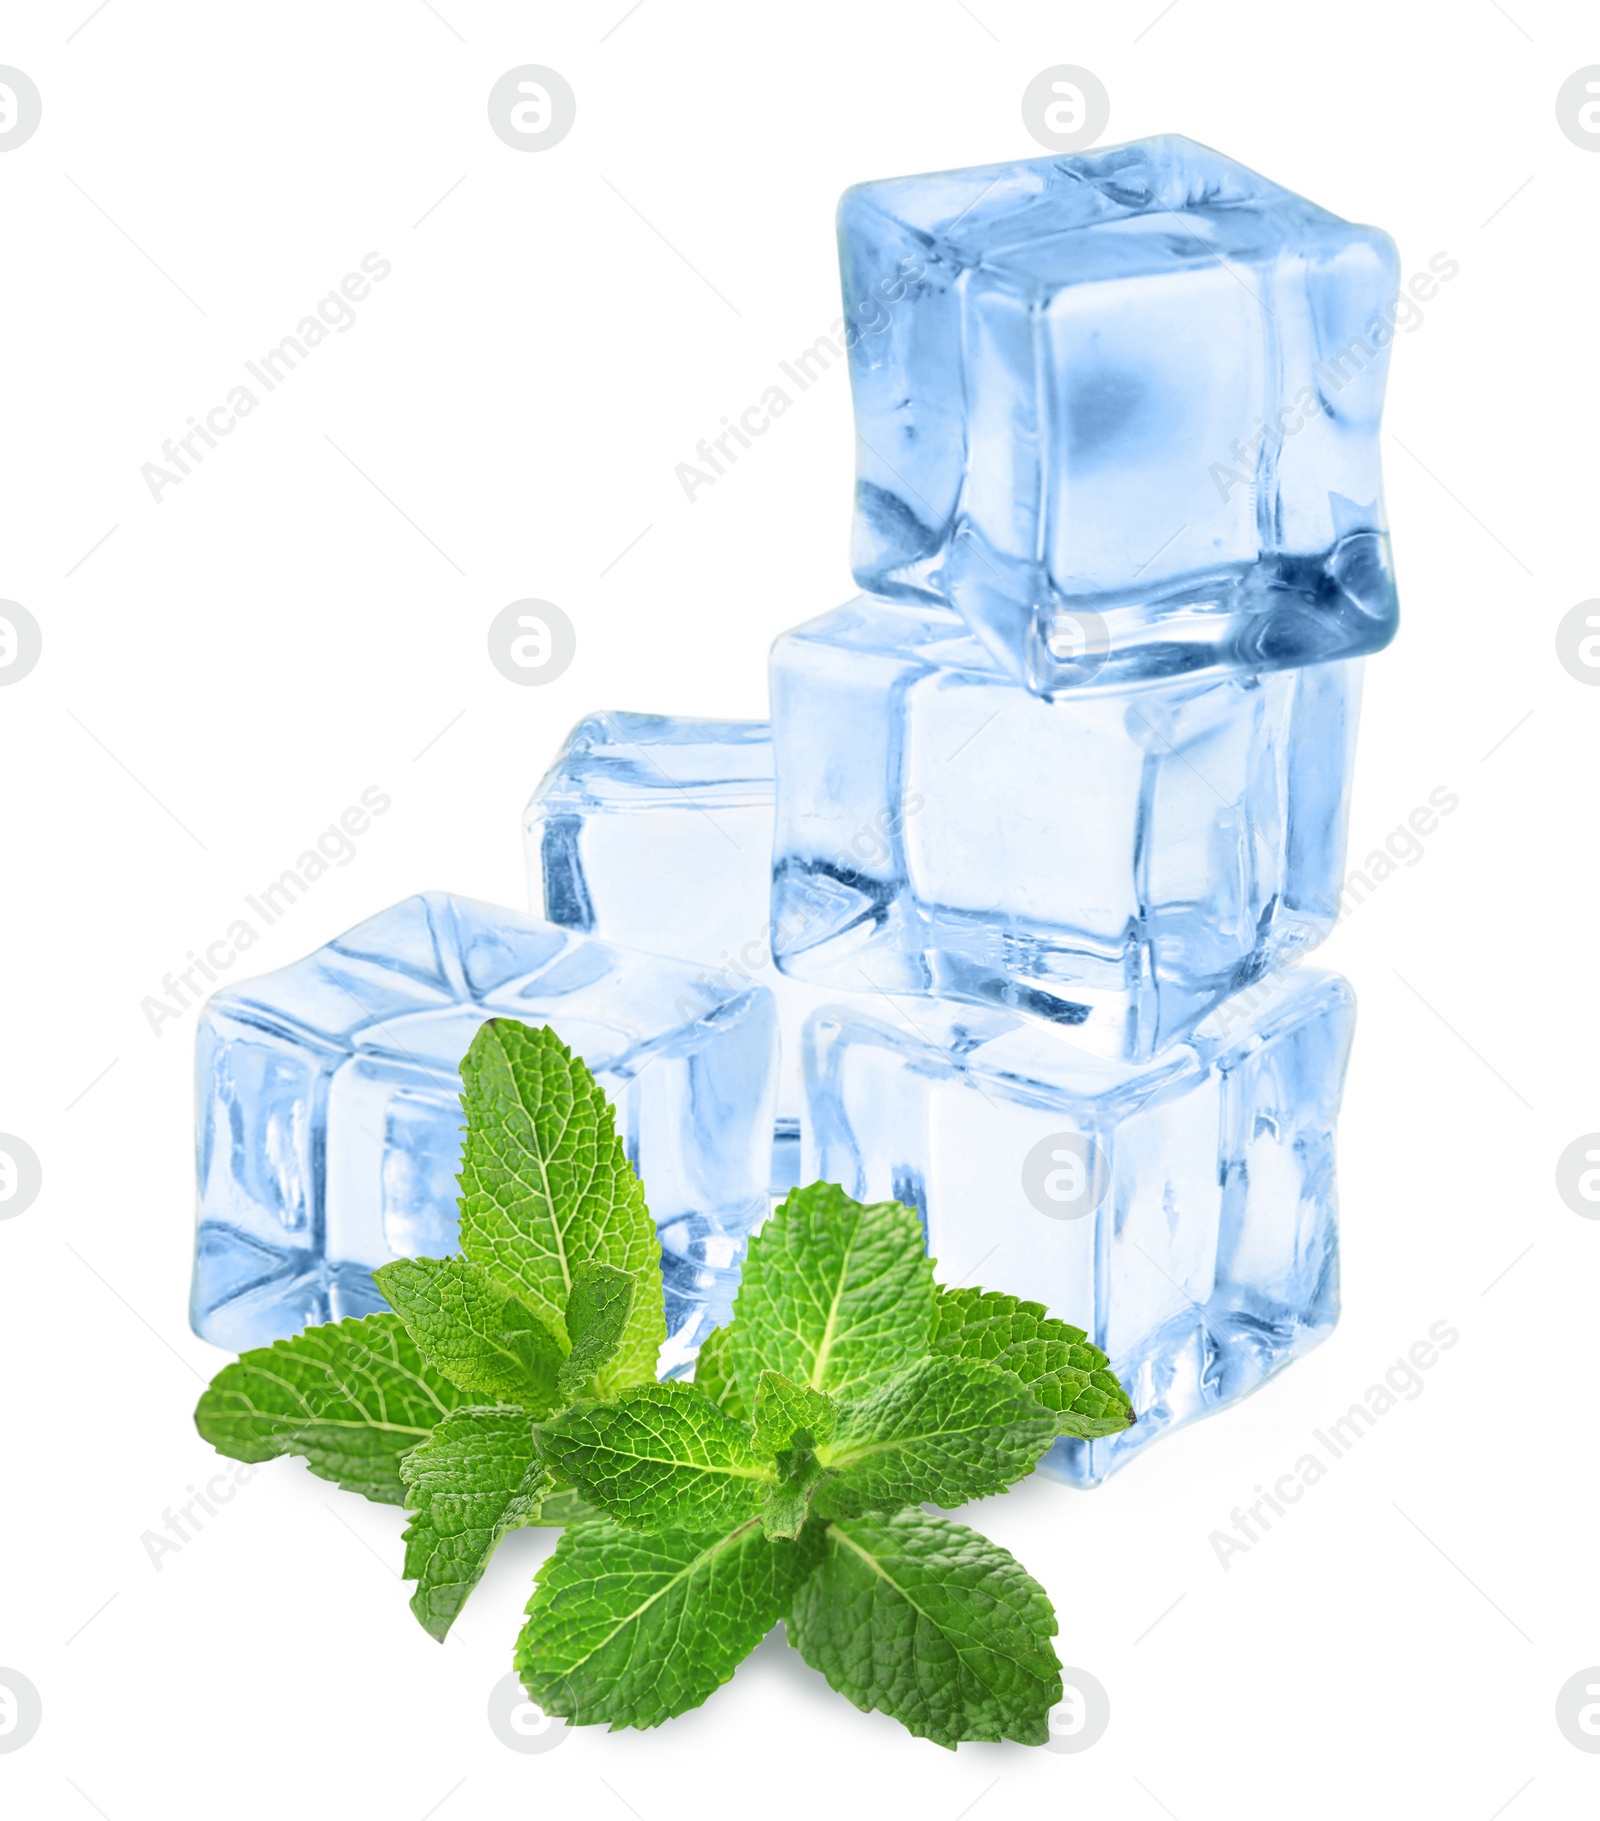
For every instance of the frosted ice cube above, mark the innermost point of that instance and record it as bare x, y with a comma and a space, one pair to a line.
329, 1124
655, 831
1181, 1212
1117, 861
1121, 409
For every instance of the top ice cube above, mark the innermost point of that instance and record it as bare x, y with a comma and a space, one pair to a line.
1121, 410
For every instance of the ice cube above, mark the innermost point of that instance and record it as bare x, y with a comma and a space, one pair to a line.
1117, 861
1121, 409
1181, 1212
655, 831
329, 1123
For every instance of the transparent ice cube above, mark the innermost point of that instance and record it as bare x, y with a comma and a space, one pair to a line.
1121, 409
655, 831
329, 1123
1116, 861
1181, 1212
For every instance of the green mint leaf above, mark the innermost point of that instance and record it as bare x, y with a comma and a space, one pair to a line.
478, 1335
713, 1375
933, 1624
834, 1294
791, 1420
566, 1505
787, 1505
632, 1628
476, 1477
597, 1317
658, 1457
943, 1430
351, 1397
784, 1409
546, 1187
1057, 1362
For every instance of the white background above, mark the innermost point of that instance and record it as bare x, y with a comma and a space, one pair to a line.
276, 634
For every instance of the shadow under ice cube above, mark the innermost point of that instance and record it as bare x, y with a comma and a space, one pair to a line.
1181, 1212
329, 1118
1121, 409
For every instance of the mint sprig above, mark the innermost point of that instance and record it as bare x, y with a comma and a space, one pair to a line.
478, 1334
476, 1477
515, 1385
869, 1392
351, 1397
546, 1188
433, 1406
836, 1295
632, 1627
930, 1622
713, 1374
1057, 1362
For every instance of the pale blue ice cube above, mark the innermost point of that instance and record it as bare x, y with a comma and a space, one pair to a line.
1121, 409
329, 1123
1181, 1212
655, 831
1115, 861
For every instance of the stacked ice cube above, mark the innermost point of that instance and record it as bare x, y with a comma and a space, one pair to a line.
329, 1120
1001, 915
1059, 803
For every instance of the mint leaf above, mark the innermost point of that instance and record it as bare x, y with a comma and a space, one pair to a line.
566, 1505
933, 1624
546, 1187
943, 1430
713, 1376
785, 1409
351, 1397
1056, 1361
659, 1456
597, 1316
476, 1477
478, 1335
787, 1505
791, 1420
632, 1629
834, 1294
